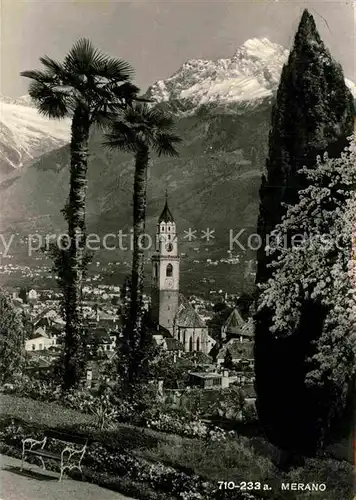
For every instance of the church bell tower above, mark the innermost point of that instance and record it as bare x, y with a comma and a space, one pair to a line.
165, 271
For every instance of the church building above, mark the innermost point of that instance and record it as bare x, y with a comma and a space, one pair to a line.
171, 312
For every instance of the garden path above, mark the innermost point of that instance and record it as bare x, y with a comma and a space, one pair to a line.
35, 484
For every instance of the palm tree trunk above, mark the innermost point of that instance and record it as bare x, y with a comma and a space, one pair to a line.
139, 220
74, 355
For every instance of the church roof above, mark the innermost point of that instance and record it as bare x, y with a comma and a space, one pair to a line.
183, 302
166, 215
172, 344
234, 322
189, 318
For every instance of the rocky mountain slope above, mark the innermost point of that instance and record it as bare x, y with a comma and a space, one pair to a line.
213, 184
221, 158
26, 135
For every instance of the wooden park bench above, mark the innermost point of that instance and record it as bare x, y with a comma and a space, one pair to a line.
71, 456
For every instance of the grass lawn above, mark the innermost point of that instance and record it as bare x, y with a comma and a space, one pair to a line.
57, 416
40, 413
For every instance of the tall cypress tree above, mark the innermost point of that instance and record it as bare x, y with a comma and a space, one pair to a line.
312, 114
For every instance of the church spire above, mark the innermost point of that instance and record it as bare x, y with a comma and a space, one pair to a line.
166, 215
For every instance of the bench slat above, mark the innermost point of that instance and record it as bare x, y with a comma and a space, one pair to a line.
44, 453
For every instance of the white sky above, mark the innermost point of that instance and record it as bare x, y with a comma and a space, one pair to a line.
156, 37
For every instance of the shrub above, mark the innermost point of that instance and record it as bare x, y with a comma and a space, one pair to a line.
108, 408
177, 424
338, 476
230, 403
33, 388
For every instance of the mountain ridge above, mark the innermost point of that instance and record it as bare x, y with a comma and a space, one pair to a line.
248, 78
233, 85
213, 184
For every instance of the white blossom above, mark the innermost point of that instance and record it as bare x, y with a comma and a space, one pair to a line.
323, 267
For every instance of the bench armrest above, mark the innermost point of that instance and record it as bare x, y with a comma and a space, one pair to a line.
33, 442
73, 451
68, 458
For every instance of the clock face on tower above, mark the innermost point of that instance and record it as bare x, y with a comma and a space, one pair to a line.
169, 247
169, 283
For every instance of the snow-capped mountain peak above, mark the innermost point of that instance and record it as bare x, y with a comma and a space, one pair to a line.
251, 75
258, 48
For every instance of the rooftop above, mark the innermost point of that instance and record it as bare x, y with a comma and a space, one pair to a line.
234, 322
238, 350
166, 215
205, 375
189, 318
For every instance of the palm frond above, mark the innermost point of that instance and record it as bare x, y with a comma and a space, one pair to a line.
134, 114
142, 125
80, 58
84, 59
67, 90
53, 67
49, 103
118, 96
54, 108
51, 79
38, 76
126, 91
142, 99
113, 69
164, 144
105, 107
160, 119
152, 117
121, 136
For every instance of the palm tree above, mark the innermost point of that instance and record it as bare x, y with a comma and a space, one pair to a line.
141, 129
89, 87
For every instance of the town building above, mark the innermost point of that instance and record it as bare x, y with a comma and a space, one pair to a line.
237, 338
40, 342
210, 380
